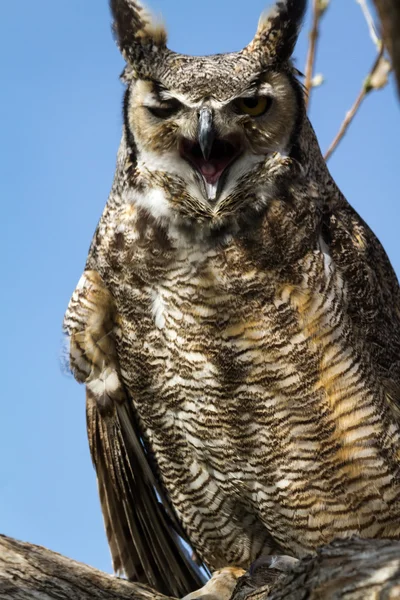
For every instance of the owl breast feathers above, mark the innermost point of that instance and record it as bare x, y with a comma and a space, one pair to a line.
237, 323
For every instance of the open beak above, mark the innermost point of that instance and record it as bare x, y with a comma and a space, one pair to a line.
210, 156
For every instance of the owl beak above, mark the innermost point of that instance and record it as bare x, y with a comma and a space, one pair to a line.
206, 133
210, 155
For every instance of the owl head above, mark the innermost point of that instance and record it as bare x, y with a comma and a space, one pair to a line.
209, 137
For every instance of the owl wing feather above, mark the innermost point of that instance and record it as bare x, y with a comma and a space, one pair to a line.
373, 293
142, 531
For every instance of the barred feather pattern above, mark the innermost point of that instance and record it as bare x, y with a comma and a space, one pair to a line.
265, 383
256, 396
141, 530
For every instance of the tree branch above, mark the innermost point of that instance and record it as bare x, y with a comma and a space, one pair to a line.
28, 572
370, 23
352, 568
360, 569
376, 79
389, 15
319, 7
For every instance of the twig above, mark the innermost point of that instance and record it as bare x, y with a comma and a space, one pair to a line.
366, 88
318, 9
370, 22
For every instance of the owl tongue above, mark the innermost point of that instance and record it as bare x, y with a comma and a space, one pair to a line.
221, 155
210, 170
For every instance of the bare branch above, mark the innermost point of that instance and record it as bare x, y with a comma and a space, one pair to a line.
370, 22
349, 568
319, 7
389, 14
28, 572
357, 568
377, 78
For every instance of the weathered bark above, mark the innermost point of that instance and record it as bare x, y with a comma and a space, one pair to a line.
29, 572
353, 569
389, 15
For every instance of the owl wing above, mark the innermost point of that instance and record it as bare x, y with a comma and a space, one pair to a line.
373, 293
142, 530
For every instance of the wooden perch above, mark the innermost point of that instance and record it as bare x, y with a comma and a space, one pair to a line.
29, 572
353, 569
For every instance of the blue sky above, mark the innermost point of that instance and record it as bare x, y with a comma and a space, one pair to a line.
60, 129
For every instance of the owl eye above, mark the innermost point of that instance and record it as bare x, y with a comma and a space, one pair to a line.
167, 109
255, 106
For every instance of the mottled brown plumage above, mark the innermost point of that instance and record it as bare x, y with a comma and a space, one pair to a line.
237, 324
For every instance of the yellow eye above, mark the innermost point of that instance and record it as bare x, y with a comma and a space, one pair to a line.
255, 107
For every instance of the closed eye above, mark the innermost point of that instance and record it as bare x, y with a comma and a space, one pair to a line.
166, 109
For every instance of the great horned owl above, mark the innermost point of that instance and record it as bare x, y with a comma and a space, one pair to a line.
237, 323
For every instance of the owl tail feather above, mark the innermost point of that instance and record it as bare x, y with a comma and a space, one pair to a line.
142, 541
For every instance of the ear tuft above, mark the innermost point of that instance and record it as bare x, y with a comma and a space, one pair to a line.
278, 30
137, 32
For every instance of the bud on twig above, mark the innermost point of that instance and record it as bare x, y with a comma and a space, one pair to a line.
317, 80
379, 78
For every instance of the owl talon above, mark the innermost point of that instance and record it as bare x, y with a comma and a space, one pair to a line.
276, 562
262, 575
220, 586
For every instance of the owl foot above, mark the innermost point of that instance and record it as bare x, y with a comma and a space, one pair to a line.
262, 575
220, 586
